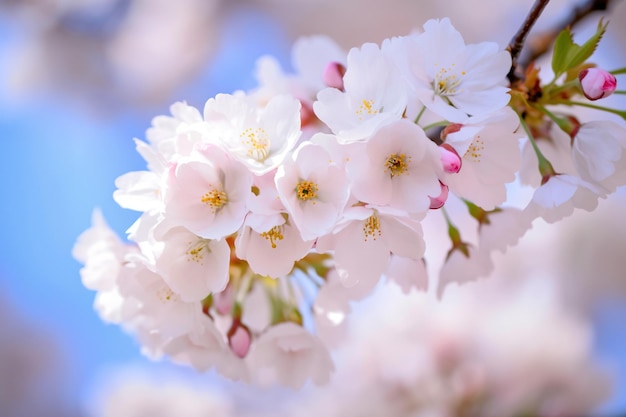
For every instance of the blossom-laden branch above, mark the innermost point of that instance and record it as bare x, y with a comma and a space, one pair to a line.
267, 213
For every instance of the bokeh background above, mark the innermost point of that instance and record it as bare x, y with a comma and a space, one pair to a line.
80, 78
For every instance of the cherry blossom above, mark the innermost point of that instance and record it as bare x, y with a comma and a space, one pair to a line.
452, 79
260, 137
313, 189
398, 167
207, 193
373, 96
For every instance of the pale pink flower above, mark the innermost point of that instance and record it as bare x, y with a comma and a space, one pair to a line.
409, 274
364, 241
491, 157
289, 355
139, 190
207, 193
599, 153
271, 251
192, 266
206, 348
452, 79
503, 229
313, 189
561, 194
331, 308
461, 267
398, 167
258, 136
597, 83
165, 130
374, 95
105, 258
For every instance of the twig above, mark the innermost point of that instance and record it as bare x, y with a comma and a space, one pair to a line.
540, 44
517, 42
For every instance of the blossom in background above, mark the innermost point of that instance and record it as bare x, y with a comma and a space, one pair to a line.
495, 348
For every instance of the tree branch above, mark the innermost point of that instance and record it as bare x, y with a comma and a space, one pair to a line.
517, 42
539, 44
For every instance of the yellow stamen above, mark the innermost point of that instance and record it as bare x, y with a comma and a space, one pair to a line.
365, 109
371, 227
196, 251
215, 199
273, 235
475, 150
257, 143
397, 164
446, 82
306, 190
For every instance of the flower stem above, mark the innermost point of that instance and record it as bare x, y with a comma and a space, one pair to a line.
545, 167
436, 124
419, 115
620, 113
619, 71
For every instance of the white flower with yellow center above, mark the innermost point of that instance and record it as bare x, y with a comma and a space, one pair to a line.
314, 190
452, 79
375, 94
398, 167
207, 193
490, 155
192, 266
260, 137
363, 244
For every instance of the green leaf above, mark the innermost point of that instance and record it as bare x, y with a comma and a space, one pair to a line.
569, 55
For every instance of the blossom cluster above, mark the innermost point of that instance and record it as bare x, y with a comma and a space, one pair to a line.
268, 212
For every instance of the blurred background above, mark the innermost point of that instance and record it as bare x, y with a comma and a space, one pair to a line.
80, 78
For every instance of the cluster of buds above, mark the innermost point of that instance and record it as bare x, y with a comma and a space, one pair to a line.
267, 213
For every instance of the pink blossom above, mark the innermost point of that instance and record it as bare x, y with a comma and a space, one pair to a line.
597, 83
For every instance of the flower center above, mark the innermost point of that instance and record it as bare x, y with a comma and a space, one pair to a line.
447, 81
215, 199
165, 294
273, 235
257, 143
366, 109
371, 227
475, 150
197, 250
397, 164
306, 190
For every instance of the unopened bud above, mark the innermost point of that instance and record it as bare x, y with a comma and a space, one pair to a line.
333, 75
239, 339
223, 301
597, 83
439, 201
450, 159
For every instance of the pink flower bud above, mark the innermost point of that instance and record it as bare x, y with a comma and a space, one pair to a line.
223, 301
439, 201
597, 83
333, 75
449, 158
239, 339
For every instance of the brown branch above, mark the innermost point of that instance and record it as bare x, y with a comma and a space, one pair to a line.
539, 44
517, 42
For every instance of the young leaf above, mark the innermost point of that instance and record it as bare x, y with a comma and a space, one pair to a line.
569, 55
